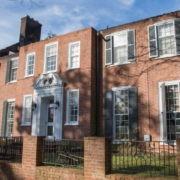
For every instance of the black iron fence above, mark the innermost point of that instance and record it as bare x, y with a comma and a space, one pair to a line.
63, 152
11, 148
140, 157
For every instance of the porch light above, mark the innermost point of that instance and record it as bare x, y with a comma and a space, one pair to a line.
55, 105
33, 106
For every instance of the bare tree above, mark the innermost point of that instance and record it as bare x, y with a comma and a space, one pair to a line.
31, 1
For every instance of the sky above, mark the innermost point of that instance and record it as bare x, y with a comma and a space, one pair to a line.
63, 16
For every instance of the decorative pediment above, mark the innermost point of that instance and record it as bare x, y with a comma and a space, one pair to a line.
48, 81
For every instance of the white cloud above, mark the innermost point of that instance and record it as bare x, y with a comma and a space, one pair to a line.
127, 2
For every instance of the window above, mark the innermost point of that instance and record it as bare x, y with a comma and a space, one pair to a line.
120, 47
30, 64
169, 110
74, 55
72, 107
11, 73
26, 118
8, 118
121, 113
164, 38
50, 57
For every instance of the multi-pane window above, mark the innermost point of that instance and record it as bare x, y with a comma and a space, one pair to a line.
164, 38
51, 57
121, 114
27, 109
120, 47
170, 110
74, 55
30, 64
10, 118
121, 117
14, 67
72, 106
11, 71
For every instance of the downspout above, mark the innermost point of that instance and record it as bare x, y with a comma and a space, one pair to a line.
97, 84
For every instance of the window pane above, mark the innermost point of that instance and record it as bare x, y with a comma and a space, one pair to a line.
51, 57
73, 106
120, 48
14, 67
166, 39
27, 109
172, 105
30, 65
74, 55
121, 114
10, 118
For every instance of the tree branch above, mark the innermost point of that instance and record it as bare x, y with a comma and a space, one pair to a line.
31, 1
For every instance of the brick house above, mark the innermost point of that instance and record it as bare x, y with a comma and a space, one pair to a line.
140, 65
47, 87
121, 82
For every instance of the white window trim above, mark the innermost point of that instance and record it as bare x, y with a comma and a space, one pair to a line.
156, 25
26, 70
9, 101
23, 111
14, 59
69, 54
67, 109
160, 112
114, 89
45, 63
117, 33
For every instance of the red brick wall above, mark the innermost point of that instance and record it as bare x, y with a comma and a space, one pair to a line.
79, 78
144, 73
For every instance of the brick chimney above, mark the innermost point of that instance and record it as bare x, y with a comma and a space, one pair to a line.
30, 31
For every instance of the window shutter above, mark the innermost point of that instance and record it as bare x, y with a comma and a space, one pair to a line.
177, 31
108, 113
133, 116
8, 71
131, 45
108, 50
152, 41
4, 119
163, 125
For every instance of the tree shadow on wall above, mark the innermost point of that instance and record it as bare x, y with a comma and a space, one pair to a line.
6, 172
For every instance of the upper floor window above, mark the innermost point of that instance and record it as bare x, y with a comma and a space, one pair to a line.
74, 55
50, 57
72, 107
30, 64
12, 67
120, 47
164, 38
26, 120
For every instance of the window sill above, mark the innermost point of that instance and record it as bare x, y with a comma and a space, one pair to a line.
48, 72
118, 64
25, 124
72, 68
11, 82
28, 76
71, 124
167, 56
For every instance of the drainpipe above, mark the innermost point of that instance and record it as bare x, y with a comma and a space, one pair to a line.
97, 84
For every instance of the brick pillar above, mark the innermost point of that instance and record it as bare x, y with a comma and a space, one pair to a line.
178, 156
97, 157
32, 156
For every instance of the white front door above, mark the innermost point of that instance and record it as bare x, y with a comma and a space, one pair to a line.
50, 122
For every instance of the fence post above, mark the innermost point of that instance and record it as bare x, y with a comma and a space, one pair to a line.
32, 155
97, 157
178, 156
